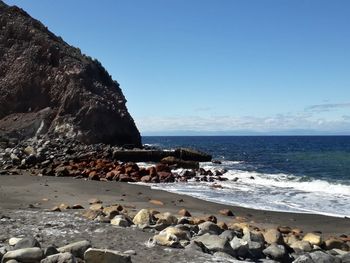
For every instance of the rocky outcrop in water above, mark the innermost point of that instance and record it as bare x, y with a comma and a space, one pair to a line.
48, 86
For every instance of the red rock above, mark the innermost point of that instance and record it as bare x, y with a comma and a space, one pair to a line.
125, 178
93, 176
226, 212
166, 177
135, 175
156, 202
152, 171
110, 175
184, 212
146, 179
162, 168
143, 172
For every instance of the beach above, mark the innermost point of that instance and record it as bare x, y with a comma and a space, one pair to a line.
30, 199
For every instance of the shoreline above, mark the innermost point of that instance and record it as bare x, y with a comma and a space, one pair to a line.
22, 191
243, 206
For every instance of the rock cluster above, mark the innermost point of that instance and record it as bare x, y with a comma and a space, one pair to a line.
235, 241
29, 250
48, 86
63, 157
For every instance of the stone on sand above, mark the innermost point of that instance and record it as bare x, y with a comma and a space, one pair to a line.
313, 239
24, 255
65, 257
143, 217
77, 249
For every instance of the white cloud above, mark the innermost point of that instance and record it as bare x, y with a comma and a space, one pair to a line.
232, 123
327, 107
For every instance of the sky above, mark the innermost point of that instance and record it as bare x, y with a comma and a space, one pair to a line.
217, 67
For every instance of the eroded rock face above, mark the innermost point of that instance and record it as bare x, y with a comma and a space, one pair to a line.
47, 85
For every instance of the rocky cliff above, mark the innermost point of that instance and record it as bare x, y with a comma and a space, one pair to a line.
50, 87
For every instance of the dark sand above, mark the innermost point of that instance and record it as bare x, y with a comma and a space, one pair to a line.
18, 192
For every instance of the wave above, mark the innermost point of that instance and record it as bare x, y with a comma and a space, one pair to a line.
265, 191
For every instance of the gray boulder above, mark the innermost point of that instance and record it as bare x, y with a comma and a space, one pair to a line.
50, 250
276, 252
322, 257
77, 249
345, 258
255, 250
223, 255
304, 259
196, 246
209, 227
24, 255
27, 243
228, 234
253, 236
60, 258
216, 244
240, 247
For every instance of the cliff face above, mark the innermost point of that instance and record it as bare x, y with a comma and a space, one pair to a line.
48, 86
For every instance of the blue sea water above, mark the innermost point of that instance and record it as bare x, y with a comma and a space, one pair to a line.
291, 173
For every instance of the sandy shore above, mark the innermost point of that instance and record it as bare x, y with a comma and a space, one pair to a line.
19, 192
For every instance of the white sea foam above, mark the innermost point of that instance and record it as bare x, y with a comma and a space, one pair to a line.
275, 192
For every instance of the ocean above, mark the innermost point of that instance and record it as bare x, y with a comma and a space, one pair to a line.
305, 174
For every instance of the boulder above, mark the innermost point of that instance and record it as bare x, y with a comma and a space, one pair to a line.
94, 255
60, 258
143, 217
336, 243
272, 236
14, 240
184, 212
27, 243
164, 240
121, 221
345, 258
304, 259
276, 252
166, 218
209, 227
24, 255
196, 246
226, 212
322, 257
240, 247
215, 243
96, 206
77, 249
301, 246
314, 239
228, 234
223, 255
177, 232
50, 250
112, 211
253, 236
255, 249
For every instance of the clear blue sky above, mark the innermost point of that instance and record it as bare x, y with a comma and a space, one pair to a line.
227, 65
